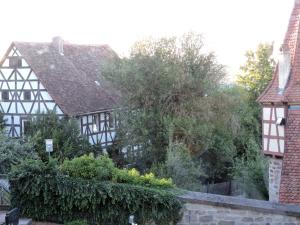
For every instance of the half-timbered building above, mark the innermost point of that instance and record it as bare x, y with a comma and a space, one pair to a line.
66, 78
281, 118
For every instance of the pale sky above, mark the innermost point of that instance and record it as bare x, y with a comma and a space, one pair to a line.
230, 27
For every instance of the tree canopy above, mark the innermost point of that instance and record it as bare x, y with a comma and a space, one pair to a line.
167, 86
258, 69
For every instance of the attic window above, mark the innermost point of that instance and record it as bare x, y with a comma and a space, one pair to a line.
15, 62
27, 95
5, 96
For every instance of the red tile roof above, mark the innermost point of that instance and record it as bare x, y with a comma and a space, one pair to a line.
291, 93
70, 78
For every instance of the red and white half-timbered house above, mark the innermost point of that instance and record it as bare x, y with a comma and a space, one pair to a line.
61, 77
281, 118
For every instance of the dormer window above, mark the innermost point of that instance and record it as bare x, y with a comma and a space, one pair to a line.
15, 62
5, 96
27, 95
284, 69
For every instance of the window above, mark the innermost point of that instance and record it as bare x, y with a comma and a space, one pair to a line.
95, 123
110, 120
25, 127
27, 95
5, 95
15, 61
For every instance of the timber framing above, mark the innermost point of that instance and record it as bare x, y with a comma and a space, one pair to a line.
36, 79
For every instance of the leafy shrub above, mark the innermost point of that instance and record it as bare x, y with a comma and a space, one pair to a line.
180, 167
43, 193
133, 177
77, 222
102, 168
65, 132
88, 167
251, 171
12, 152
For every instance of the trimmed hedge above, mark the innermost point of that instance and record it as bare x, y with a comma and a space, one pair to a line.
42, 192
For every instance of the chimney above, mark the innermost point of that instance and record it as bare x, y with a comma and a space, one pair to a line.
284, 68
58, 43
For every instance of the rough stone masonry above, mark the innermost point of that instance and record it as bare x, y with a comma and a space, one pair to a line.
209, 209
275, 168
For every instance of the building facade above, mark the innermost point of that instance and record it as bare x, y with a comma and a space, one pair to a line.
281, 118
65, 78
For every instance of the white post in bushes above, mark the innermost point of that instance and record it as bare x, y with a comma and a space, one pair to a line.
131, 220
49, 146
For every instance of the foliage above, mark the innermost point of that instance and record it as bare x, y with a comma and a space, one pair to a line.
2, 121
103, 169
180, 167
77, 222
251, 171
43, 193
88, 167
165, 84
250, 166
13, 151
133, 177
235, 123
173, 94
257, 72
67, 142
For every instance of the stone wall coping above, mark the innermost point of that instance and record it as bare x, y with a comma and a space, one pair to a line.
241, 203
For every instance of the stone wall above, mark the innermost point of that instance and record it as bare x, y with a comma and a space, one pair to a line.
275, 168
208, 209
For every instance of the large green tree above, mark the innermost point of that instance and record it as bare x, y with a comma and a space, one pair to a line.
166, 85
250, 166
179, 113
258, 69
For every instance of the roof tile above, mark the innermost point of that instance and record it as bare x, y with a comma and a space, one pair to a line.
70, 78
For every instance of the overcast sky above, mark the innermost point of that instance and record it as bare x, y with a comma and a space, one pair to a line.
230, 27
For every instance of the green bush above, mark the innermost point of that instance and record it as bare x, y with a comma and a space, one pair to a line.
13, 151
103, 169
88, 167
133, 177
77, 222
43, 193
65, 132
180, 167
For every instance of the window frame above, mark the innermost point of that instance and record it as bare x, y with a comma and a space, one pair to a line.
5, 95
15, 61
23, 121
95, 123
25, 95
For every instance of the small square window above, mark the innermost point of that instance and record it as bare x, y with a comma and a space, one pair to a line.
15, 61
5, 96
27, 95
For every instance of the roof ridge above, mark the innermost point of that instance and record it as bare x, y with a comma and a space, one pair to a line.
291, 42
65, 43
